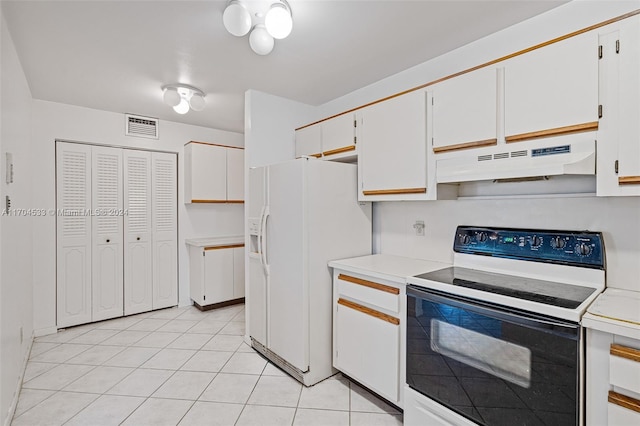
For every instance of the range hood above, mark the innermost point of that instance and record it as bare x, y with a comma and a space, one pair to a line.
520, 160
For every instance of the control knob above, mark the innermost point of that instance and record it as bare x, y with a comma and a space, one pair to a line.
558, 243
465, 239
481, 237
536, 241
584, 249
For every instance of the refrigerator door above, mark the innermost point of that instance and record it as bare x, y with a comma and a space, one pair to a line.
257, 297
286, 255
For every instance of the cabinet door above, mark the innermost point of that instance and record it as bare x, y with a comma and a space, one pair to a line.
238, 272
552, 89
73, 229
138, 257
629, 107
338, 135
218, 275
208, 173
235, 175
392, 157
465, 111
309, 141
164, 230
107, 233
367, 348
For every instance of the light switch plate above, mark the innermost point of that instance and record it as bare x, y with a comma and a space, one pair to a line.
9, 167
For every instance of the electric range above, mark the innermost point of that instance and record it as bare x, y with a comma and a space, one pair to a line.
496, 339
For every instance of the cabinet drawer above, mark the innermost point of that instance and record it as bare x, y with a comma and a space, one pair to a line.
624, 367
367, 348
370, 292
622, 410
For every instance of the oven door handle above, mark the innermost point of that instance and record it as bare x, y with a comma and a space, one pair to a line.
565, 329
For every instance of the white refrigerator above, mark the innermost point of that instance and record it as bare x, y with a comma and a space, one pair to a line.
302, 214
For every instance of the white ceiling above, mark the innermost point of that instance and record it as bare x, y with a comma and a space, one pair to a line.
115, 55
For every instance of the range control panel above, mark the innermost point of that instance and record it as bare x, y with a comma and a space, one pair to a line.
575, 248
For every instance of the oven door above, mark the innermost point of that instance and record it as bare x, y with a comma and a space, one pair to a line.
493, 365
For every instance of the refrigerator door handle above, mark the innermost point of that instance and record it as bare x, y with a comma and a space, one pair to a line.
264, 242
259, 236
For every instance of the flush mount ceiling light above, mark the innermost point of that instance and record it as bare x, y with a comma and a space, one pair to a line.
183, 97
276, 22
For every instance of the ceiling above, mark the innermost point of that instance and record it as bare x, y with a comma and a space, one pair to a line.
116, 55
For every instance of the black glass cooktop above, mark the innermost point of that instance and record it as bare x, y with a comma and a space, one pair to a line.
547, 292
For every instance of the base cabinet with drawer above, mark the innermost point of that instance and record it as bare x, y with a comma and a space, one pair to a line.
367, 332
612, 370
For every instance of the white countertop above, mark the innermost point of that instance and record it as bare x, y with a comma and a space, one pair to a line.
615, 311
387, 267
215, 241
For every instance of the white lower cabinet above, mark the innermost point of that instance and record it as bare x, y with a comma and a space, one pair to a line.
367, 333
217, 272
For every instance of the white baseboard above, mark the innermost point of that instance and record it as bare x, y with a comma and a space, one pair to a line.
45, 331
16, 394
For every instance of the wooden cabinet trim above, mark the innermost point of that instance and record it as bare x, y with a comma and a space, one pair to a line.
339, 150
395, 191
483, 65
369, 311
370, 284
223, 247
576, 128
629, 180
213, 144
625, 352
465, 145
624, 401
217, 201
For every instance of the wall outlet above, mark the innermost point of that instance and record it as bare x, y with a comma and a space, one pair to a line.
419, 228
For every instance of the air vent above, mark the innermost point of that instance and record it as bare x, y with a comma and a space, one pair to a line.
500, 155
484, 157
142, 127
522, 153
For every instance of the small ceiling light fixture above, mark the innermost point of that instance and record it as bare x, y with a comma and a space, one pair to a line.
276, 22
183, 97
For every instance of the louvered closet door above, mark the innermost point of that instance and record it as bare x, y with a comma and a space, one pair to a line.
73, 228
165, 230
107, 223
138, 258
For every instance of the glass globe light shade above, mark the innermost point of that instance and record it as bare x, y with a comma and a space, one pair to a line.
236, 18
197, 102
182, 107
260, 40
171, 97
278, 21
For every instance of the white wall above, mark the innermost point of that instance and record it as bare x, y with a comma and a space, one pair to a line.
269, 123
16, 281
59, 121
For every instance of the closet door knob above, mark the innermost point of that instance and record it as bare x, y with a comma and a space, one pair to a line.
108, 240
138, 239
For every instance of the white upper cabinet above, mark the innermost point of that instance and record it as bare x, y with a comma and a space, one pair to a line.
333, 138
309, 141
465, 110
213, 173
235, 175
618, 161
552, 90
392, 158
338, 135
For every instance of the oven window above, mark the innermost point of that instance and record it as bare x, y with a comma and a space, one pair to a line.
489, 369
497, 357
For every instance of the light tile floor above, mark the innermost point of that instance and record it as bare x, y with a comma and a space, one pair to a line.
178, 366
